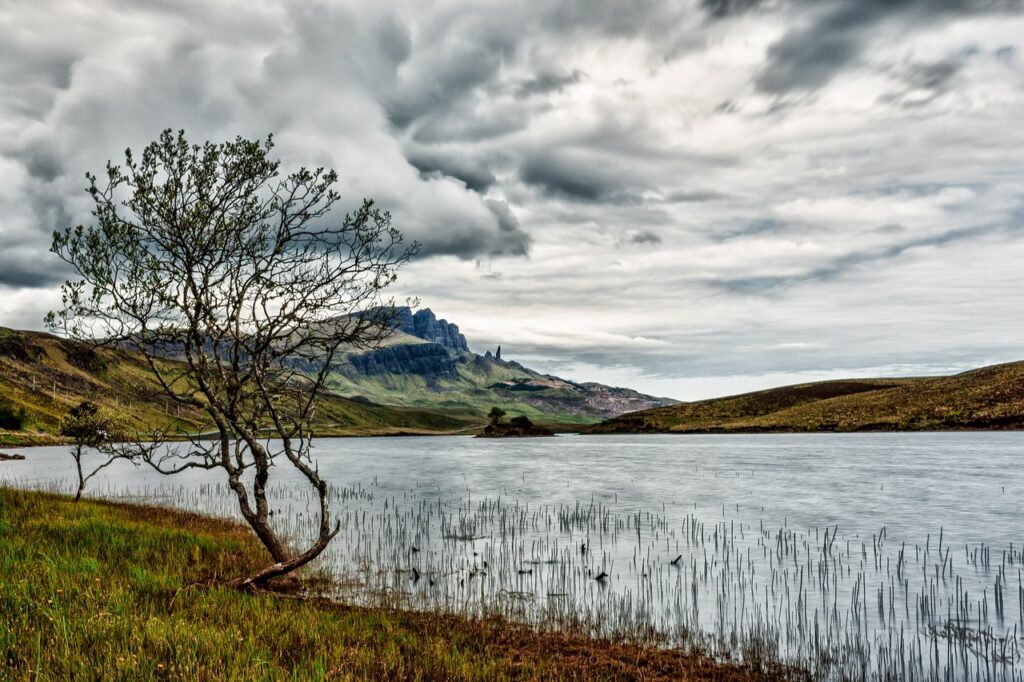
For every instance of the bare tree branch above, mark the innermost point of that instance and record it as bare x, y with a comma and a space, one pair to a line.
209, 255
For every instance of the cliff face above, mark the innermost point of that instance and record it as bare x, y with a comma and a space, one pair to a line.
422, 359
424, 324
459, 379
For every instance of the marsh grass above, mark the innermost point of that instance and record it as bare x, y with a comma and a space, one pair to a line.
104, 590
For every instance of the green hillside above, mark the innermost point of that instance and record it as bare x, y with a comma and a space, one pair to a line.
42, 376
427, 363
987, 398
480, 382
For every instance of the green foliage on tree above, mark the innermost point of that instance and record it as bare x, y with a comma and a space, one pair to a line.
496, 415
87, 424
90, 429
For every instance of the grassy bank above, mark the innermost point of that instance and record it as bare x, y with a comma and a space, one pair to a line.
103, 590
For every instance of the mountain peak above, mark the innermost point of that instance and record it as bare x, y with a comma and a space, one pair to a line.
425, 325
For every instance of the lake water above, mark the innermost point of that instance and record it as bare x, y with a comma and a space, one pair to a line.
856, 555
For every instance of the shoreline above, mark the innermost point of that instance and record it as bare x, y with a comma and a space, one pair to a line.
56, 441
159, 573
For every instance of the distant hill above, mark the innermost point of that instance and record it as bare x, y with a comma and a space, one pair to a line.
43, 376
424, 379
987, 398
427, 363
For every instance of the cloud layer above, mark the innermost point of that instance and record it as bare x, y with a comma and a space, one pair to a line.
650, 195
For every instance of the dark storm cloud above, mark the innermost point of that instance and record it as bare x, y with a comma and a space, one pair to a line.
507, 220
469, 244
890, 228
645, 237
837, 267
516, 242
934, 75
460, 59
754, 228
576, 177
547, 83
30, 270
657, 21
696, 196
720, 9
27, 58
835, 33
394, 39
468, 123
42, 163
319, 77
458, 64
1006, 53
923, 82
473, 172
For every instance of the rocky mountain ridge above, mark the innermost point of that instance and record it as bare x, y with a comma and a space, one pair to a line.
423, 324
428, 362
422, 359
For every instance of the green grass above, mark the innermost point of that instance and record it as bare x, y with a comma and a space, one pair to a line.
986, 398
477, 389
100, 590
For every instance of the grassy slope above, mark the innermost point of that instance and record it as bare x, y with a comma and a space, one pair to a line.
987, 398
107, 591
483, 384
47, 376
471, 393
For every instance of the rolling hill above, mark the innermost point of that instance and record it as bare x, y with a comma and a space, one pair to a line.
986, 398
42, 376
423, 380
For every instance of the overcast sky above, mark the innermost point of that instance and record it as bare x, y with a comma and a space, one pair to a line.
689, 198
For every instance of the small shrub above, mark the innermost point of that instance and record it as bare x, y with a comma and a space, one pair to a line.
11, 419
18, 347
522, 422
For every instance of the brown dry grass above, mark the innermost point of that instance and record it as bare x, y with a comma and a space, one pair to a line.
987, 398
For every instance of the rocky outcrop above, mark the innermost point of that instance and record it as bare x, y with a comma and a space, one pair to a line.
519, 427
422, 359
424, 324
470, 379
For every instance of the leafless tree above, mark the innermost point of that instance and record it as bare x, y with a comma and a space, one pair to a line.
211, 255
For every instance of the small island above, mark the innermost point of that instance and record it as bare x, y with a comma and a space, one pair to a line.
10, 456
517, 427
